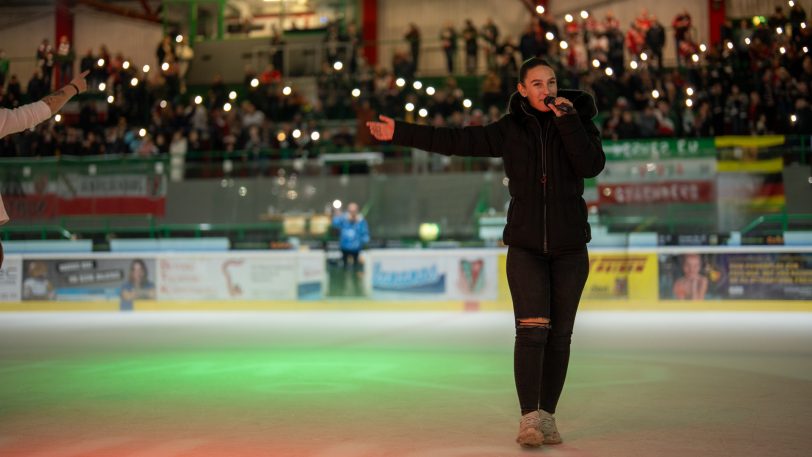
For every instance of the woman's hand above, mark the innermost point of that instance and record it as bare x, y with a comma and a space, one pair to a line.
382, 131
561, 101
80, 82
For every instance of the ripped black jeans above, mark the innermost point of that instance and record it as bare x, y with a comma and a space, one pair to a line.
544, 286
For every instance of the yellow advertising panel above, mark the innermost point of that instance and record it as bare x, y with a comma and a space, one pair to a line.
617, 276
622, 276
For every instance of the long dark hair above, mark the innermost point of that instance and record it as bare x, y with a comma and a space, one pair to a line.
143, 267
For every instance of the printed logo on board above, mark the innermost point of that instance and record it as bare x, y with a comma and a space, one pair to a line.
471, 278
416, 280
619, 265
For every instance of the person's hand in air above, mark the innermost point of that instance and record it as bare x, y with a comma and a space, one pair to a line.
382, 131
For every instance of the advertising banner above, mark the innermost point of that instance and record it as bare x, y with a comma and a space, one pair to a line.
227, 278
100, 278
662, 192
752, 276
621, 277
74, 194
450, 275
11, 278
312, 276
660, 170
671, 148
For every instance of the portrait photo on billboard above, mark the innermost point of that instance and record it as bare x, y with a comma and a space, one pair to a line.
691, 276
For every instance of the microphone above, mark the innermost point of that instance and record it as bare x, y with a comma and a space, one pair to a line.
566, 109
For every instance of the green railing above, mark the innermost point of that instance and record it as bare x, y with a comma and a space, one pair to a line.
111, 227
782, 220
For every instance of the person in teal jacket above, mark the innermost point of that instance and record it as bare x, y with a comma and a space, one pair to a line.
353, 234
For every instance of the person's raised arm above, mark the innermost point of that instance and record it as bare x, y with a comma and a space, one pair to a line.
27, 116
482, 141
57, 100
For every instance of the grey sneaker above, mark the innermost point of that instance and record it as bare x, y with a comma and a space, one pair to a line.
530, 434
548, 428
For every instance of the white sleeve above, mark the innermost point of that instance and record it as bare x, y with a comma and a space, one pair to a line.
3, 214
24, 117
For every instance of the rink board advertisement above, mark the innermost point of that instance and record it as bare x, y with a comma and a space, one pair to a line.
712, 277
426, 275
627, 276
11, 279
736, 276
283, 276
86, 278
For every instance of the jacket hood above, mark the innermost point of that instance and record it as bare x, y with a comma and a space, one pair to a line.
583, 102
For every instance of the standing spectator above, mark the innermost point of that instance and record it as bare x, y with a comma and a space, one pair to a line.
610, 124
736, 112
172, 78
353, 41
627, 127
490, 41
4, 65
179, 146
576, 54
615, 40
270, 75
548, 25
183, 56
353, 234
610, 21
777, 19
470, 36
255, 146
527, 43
647, 122
217, 92
164, 50
413, 37
64, 56
755, 111
448, 36
597, 42
682, 26
655, 42
492, 91
104, 69
251, 116
14, 93
508, 69
277, 49
45, 61
363, 114
36, 86
86, 65
147, 147
643, 21
332, 44
797, 15
741, 35
666, 120
635, 40
401, 65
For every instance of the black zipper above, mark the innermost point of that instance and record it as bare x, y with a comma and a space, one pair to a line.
542, 134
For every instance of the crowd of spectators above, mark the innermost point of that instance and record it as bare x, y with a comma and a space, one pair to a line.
754, 81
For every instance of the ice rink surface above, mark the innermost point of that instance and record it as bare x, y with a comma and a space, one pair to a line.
428, 384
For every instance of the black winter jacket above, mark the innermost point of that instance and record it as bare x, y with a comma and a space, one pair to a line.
546, 159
